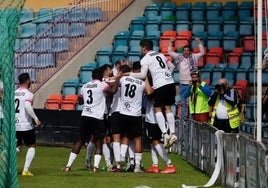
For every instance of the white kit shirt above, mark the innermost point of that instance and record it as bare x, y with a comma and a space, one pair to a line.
158, 68
132, 90
23, 120
94, 97
115, 106
150, 113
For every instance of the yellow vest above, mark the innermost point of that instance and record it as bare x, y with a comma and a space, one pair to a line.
201, 104
232, 112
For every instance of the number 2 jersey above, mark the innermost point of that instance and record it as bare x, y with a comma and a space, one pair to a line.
93, 94
23, 120
132, 90
158, 68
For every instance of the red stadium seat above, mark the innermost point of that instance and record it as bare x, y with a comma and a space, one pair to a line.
214, 55
249, 43
69, 102
53, 102
201, 61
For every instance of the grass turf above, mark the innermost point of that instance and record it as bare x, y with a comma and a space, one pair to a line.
49, 161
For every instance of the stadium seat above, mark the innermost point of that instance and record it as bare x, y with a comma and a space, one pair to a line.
27, 15
43, 45
25, 60
182, 26
214, 26
134, 40
45, 60
70, 87
69, 102
26, 45
151, 25
229, 74
93, 15
198, 26
249, 43
27, 30
77, 14
44, 30
121, 38
245, 9
230, 41
85, 74
59, 14
214, 55
230, 26
182, 13
77, 30
246, 60
176, 76
246, 26
216, 74
60, 30
151, 9
214, 40
137, 24
53, 102
166, 12
197, 13
213, 10
202, 36
44, 15
60, 45
167, 25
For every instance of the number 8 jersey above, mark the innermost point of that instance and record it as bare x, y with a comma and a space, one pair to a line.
157, 65
23, 120
132, 90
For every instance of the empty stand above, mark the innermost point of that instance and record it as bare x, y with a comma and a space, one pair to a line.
53, 102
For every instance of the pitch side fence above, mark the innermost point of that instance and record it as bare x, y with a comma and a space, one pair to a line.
244, 159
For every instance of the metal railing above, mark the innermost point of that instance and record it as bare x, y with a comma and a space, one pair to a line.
38, 54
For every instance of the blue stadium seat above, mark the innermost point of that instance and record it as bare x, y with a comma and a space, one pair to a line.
229, 74
245, 9
60, 45
60, 30
176, 76
198, 26
214, 40
230, 40
246, 26
85, 74
202, 36
151, 9
137, 24
213, 12
134, 41
25, 60
27, 15
70, 86
151, 25
77, 14
138, 33
214, 25
229, 10
27, 30
119, 52
93, 15
26, 45
182, 13
77, 30
216, 74
246, 60
104, 57
182, 26
44, 15
44, 30
43, 45
133, 56
241, 74
197, 13
230, 26
45, 60
121, 38
167, 25
166, 12
252, 76
59, 14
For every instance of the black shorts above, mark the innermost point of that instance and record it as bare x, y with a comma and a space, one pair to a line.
28, 137
131, 126
91, 126
115, 121
153, 131
165, 95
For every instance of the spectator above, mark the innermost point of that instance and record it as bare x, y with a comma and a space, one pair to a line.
198, 92
225, 115
185, 63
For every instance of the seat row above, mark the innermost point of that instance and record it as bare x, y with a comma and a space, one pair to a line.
58, 102
74, 14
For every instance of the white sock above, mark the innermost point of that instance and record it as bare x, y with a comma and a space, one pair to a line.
90, 149
138, 157
171, 122
154, 156
72, 157
123, 151
107, 154
116, 148
162, 152
161, 121
131, 150
29, 157
17, 149
97, 159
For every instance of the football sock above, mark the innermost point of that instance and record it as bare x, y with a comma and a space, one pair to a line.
107, 154
138, 157
29, 157
116, 148
171, 122
161, 121
131, 149
154, 156
72, 157
90, 148
97, 159
162, 152
123, 151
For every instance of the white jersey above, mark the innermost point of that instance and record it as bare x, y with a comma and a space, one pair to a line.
115, 106
94, 97
150, 113
158, 68
132, 90
23, 120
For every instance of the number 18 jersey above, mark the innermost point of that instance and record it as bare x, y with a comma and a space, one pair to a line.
94, 98
158, 68
132, 90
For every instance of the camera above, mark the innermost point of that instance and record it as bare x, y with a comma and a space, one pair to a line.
220, 87
194, 82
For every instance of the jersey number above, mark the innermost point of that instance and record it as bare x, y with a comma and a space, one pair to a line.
89, 97
130, 90
17, 104
161, 62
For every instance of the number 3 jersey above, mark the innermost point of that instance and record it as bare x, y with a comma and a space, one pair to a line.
132, 90
93, 94
158, 68
23, 120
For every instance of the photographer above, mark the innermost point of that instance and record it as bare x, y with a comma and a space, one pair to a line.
225, 115
197, 93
